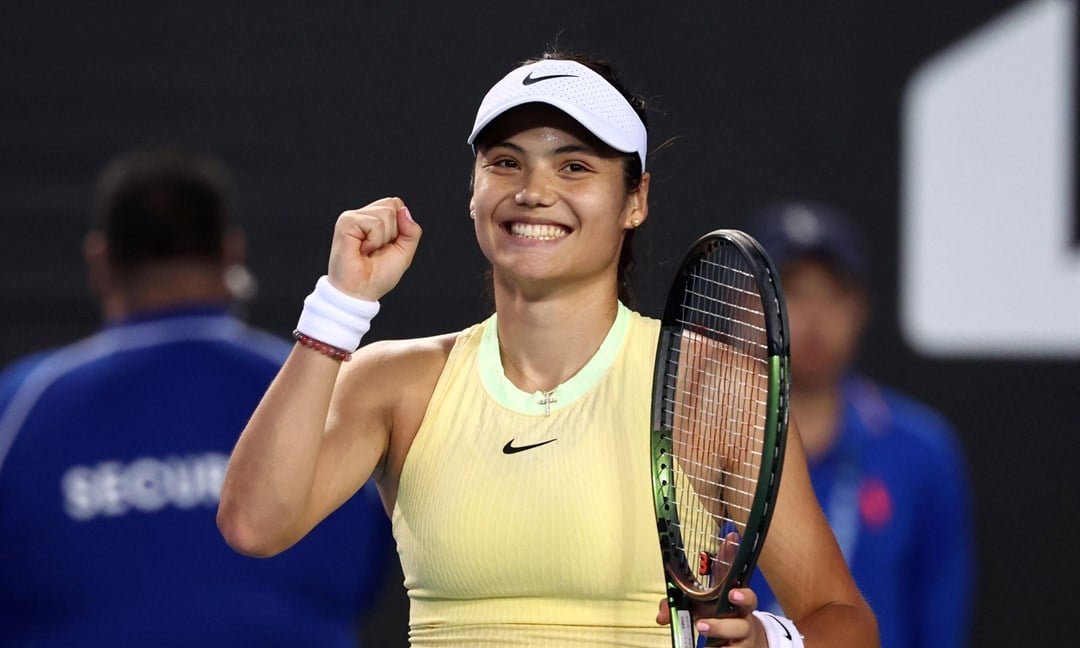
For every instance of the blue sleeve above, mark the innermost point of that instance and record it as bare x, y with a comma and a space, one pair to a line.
11, 379
13, 376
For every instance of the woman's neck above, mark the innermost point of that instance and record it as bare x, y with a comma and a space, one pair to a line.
545, 342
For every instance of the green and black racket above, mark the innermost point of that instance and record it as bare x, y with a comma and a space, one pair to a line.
719, 421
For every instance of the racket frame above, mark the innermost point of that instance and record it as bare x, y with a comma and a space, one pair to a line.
681, 591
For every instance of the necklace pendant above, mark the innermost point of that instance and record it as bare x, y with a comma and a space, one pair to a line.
546, 400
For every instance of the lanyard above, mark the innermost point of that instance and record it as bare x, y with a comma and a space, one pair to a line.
842, 507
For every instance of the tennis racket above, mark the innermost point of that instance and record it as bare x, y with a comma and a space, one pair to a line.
719, 421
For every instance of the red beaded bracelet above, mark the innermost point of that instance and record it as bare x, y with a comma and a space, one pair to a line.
340, 355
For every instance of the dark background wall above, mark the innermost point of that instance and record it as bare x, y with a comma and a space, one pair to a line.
327, 106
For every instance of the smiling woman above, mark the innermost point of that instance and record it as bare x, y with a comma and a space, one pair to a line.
605, 113
513, 455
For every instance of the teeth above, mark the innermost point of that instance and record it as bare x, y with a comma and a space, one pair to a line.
538, 232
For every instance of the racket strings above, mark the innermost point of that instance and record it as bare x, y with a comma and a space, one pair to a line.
717, 379
745, 341
741, 300
732, 511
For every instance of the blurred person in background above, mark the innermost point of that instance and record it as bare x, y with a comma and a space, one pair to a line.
113, 449
888, 471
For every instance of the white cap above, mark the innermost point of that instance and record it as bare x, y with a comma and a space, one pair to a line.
577, 91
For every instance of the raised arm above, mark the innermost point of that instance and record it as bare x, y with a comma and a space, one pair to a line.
294, 463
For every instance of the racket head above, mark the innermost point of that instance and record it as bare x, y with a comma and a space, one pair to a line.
719, 417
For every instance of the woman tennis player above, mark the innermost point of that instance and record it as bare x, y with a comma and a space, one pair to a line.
513, 455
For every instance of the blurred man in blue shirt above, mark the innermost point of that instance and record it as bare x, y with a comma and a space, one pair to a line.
113, 449
888, 471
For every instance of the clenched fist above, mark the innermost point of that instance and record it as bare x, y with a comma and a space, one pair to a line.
372, 248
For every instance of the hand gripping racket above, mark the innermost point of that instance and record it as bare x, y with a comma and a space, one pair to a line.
719, 421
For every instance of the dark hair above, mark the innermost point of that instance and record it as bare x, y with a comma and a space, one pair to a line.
632, 170
158, 205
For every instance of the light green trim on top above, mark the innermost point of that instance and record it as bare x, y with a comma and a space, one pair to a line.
508, 395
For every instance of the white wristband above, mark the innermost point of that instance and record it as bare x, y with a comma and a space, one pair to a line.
337, 319
780, 631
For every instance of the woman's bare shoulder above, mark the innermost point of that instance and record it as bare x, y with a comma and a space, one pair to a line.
396, 365
415, 353
392, 381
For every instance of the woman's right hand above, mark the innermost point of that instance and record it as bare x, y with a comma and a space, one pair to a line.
372, 248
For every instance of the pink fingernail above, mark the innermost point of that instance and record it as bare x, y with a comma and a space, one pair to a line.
737, 596
408, 214
702, 626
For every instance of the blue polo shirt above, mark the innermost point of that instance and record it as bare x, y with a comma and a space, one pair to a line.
112, 453
895, 489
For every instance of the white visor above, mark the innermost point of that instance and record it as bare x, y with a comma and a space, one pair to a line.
577, 91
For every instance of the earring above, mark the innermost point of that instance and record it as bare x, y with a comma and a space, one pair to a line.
635, 223
472, 214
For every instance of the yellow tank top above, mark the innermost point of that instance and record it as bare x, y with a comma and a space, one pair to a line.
519, 526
